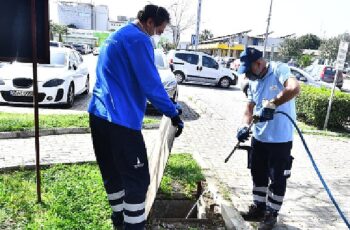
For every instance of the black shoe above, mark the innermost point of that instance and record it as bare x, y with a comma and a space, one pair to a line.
269, 221
254, 213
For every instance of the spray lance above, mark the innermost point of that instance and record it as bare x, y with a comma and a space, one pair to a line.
238, 146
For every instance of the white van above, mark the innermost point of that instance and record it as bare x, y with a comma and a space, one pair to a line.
199, 67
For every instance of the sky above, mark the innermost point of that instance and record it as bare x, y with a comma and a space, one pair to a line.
324, 18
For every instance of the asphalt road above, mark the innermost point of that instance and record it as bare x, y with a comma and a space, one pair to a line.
81, 101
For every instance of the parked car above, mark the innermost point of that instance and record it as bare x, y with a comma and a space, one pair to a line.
69, 46
58, 82
235, 64
167, 77
199, 67
325, 73
301, 75
81, 48
96, 51
56, 44
306, 78
228, 61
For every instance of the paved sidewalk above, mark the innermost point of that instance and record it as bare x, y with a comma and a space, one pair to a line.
209, 136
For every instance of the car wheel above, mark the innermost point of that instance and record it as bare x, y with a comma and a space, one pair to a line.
70, 96
87, 85
225, 82
180, 77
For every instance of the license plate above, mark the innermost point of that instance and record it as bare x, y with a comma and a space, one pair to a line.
20, 93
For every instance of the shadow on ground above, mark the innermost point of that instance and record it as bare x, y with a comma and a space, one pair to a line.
188, 114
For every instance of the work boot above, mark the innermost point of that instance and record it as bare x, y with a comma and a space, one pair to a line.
270, 219
254, 213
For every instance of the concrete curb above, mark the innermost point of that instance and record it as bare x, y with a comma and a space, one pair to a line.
57, 131
231, 216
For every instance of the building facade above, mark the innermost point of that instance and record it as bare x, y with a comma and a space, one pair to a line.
100, 18
83, 15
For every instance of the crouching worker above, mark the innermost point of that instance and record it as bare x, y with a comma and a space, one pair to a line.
271, 87
126, 77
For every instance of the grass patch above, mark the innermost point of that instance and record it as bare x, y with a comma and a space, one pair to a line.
73, 198
181, 175
313, 130
73, 195
10, 122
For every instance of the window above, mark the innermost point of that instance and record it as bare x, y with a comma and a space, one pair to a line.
72, 60
78, 57
190, 58
209, 62
297, 75
57, 58
329, 71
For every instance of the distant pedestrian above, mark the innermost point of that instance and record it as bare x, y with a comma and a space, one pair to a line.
126, 78
271, 87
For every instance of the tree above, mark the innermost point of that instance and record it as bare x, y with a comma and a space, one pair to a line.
290, 48
57, 29
181, 17
205, 35
329, 48
305, 60
309, 41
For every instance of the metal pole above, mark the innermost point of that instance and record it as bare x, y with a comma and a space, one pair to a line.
330, 101
35, 99
342, 51
267, 29
198, 22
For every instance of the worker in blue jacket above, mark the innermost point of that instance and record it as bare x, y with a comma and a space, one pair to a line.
126, 77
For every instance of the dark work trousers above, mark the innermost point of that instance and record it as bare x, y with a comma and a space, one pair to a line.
270, 168
122, 159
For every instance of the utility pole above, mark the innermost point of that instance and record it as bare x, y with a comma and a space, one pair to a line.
267, 29
199, 9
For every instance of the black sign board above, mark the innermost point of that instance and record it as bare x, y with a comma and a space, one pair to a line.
16, 31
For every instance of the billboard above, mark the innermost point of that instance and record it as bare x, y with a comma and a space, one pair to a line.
16, 27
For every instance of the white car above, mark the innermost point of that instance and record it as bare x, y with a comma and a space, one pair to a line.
199, 67
96, 51
307, 79
58, 82
166, 76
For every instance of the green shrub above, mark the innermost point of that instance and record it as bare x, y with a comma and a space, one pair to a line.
312, 104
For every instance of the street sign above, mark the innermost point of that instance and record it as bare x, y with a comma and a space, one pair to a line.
343, 49
16, 31
193, 39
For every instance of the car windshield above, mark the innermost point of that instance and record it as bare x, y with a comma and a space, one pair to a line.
58, 58
329, 71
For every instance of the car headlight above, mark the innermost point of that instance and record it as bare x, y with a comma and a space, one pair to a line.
169, 85
53, 83
2, 82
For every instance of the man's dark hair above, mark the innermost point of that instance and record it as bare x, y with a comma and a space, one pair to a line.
157, 13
